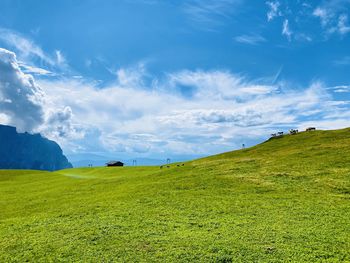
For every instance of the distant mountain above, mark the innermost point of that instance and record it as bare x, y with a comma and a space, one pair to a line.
145, 162
84, 159
29, 151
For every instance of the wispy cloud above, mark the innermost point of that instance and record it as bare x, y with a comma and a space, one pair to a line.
277, 75
343, 25
133, 76
274, 10
29, 53
182, 112
35, 70
323, 14
283, 10
215, 107
286, 31
333, 16
303, 37
60, 58
25, 48
343, 61
341, 89
250, 39
208, 14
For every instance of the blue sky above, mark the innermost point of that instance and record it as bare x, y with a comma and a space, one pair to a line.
172, 78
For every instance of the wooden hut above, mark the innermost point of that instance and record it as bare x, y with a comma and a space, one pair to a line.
114, 163
311, 129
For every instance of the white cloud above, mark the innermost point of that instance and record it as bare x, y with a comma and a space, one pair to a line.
207, 14
323, 15
341, 89
250, 39
30, 54
208, 117
61, 61
343, 26
26, 49
184, 112
333, 16
58, 125
20, 98
35, 70
286, 30
274, 10
303, 37
23, 103
216, 84
4, 119
131, 77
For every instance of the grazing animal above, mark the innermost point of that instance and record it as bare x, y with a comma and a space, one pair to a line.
278, 134
293, 132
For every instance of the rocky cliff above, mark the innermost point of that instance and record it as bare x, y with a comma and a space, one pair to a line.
29, 151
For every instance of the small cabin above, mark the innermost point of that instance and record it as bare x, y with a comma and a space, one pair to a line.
114, 163
311, 129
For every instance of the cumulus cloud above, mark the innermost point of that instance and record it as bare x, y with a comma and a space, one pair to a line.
24, 104
20, 98
59, 126
184, 112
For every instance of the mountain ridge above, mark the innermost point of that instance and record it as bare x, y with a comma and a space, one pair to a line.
29, 151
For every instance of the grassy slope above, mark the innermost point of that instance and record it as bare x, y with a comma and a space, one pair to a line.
285, 199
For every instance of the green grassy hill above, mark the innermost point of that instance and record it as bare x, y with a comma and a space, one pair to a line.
287, 199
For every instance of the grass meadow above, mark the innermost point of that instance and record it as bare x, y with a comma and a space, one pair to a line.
285, 200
